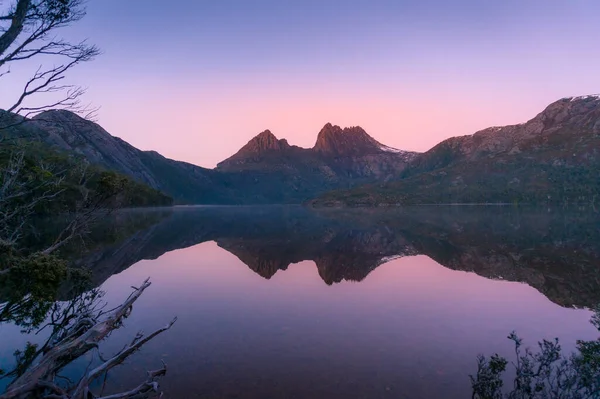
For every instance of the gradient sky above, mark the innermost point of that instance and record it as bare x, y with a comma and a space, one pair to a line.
196, 80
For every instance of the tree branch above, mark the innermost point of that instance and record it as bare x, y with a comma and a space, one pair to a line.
77, 340
147, 387
17, 19
30, 34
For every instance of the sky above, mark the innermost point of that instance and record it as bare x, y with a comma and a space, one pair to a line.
195, 79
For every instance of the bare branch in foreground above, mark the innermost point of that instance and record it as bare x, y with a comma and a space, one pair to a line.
83, 335
28, 31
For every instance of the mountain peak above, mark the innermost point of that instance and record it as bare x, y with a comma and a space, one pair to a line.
588, 97
332, 139
55, 115
264, 141
255, 148
333, 142
580, 110
266, 134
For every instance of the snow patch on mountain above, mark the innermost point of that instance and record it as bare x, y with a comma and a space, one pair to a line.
587, 97
390, 149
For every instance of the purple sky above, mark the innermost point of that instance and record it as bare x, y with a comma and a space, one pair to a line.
197, 80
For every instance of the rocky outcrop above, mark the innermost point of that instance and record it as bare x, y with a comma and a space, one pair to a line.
568, 124
553, 158
69, 131
263, 145
335, 141
341, 157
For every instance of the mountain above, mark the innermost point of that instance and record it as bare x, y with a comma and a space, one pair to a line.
337, 156
67, 183
554, 157
351, 141
566, 130
266, 170
183, 181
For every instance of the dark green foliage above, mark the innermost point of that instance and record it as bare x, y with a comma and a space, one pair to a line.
125, 192
75, 180
46, 183
30, 288
547, 373
488, 382
24, 358
37, 274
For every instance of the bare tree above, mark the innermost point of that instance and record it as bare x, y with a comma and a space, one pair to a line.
78, 329
28, 32
27, 183
28, 29
80, 326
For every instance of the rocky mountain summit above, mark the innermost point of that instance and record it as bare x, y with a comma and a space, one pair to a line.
335, 141
338, 155
554, 157
569, 124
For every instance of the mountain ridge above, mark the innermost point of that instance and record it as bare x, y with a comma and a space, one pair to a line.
266, 170
553, 157
332, 142
498, 164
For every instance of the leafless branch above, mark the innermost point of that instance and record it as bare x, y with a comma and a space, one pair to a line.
27, 30
17, 19
82, 335
148, 387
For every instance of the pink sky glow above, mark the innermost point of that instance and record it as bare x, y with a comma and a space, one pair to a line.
197, 85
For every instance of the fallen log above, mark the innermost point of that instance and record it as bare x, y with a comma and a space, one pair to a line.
79, 337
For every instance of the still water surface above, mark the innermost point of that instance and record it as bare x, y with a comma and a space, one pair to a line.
285, 303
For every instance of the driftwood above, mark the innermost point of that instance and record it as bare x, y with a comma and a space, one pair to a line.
82, 335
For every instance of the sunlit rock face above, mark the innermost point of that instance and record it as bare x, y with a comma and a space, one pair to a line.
340, 157
552, 158
565, 124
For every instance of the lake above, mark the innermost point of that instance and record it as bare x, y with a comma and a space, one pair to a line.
286, 302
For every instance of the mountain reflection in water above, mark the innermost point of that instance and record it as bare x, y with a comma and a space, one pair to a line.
256, 320
557, 253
